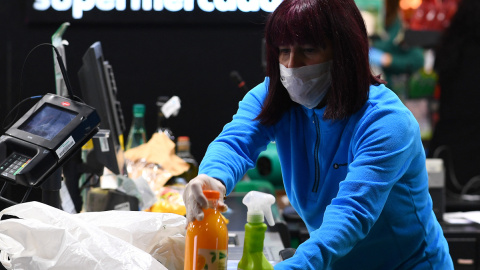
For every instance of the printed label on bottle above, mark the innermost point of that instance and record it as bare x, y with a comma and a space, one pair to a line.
211, 259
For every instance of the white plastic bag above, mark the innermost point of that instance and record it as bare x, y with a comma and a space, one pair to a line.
161, 235
48, 238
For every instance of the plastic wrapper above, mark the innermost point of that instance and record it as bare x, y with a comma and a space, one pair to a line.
155, 175
170, 200
155, 161
43, 237
159, 150
138, 188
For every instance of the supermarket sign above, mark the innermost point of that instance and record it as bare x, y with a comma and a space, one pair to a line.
147, 10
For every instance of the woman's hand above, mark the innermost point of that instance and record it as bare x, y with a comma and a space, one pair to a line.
379, 57
194, 199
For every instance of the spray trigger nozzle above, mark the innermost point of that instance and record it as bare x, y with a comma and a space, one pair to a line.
259, 205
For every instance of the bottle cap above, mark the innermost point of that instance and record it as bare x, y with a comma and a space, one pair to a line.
161, 100
183, 139
212, 194
138, 110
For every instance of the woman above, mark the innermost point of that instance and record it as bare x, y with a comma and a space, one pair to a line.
352, 159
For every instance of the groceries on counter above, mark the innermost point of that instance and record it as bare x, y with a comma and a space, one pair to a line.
156, 161
183, 151
169, 200
162, 119
137, 134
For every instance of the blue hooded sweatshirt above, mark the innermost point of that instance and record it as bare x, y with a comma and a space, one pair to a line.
360, 184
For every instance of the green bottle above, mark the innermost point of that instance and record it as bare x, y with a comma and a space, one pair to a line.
259, 205
137, 134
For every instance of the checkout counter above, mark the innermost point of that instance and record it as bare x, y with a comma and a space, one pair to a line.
34, 150
463, 237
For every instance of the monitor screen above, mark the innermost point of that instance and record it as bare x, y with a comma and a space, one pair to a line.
99, 90
48, 121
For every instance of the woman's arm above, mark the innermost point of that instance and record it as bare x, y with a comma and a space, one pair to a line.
237, 147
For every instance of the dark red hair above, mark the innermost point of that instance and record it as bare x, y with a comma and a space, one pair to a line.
316, 22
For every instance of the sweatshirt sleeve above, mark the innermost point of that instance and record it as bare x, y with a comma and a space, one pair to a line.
406, 60
237, 147
384, 145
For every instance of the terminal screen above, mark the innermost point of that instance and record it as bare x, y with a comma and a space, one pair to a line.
48, 121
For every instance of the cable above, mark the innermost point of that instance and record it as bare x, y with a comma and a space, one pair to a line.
64, 74
8, 114
76, 98
60, 63
472, 183
449, 164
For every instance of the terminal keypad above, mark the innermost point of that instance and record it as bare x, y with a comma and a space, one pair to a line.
13, 164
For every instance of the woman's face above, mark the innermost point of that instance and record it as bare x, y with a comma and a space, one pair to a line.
295, 56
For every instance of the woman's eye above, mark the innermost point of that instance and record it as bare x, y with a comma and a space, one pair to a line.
284, 51
310, 50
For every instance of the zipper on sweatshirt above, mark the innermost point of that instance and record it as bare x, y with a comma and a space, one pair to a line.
315, 153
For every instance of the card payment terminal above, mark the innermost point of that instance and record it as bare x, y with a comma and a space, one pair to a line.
44, 138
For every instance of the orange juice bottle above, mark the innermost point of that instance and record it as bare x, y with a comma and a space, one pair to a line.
206, 241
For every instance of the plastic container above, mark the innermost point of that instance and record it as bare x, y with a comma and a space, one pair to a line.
162, 126
259, 205
137, 134
206, 241
183, 151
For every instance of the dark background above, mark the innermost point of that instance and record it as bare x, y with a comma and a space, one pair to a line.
189, 55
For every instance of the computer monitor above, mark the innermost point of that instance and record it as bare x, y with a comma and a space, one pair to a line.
99, 90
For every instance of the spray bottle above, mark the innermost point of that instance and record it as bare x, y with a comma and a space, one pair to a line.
259, 205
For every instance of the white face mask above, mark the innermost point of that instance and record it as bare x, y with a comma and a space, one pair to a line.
307, 85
